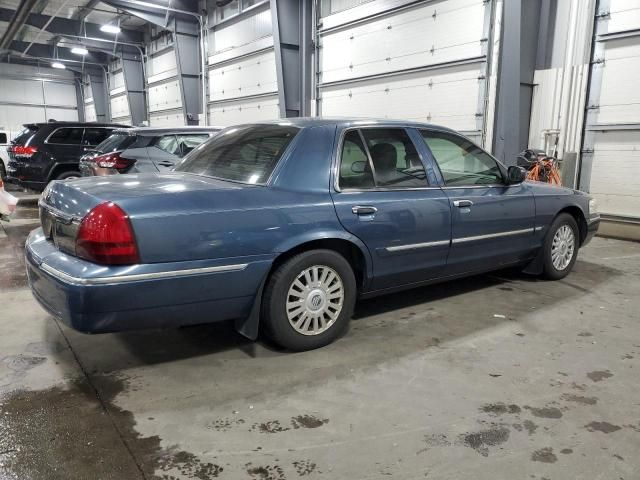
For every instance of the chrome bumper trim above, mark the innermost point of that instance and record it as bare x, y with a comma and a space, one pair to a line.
65, 277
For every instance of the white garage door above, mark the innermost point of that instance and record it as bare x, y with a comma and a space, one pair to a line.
611, 160
243, 86
423, 61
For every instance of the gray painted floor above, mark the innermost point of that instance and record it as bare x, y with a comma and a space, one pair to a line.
495, 377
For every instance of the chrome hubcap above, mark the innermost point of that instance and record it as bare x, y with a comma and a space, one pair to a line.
562, 247
315, 300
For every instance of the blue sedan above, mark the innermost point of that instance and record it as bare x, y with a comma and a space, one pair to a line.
282, 226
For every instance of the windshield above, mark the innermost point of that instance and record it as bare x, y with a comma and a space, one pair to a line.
116, 142
243, 154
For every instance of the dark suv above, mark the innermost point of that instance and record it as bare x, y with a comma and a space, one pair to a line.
51, 151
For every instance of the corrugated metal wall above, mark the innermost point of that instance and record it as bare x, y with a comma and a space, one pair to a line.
611, 167
425, 61
242, 69
35, 94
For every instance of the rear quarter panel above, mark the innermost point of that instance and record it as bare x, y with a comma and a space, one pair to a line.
244, 220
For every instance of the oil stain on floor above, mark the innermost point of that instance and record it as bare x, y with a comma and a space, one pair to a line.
72, 432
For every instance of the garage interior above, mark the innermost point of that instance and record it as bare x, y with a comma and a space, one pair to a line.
496, 376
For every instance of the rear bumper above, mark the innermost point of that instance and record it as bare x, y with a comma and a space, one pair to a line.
26, 175
111, 299
90, 169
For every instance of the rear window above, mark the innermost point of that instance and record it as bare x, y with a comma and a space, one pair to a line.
3, 137
242, 154
95, 136
116, 143
25, 135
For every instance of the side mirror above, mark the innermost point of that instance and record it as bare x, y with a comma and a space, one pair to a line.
516, 174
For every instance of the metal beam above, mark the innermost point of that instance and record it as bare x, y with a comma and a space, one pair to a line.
49, 51
186, 47
16, 20
133, 72
159, 12
292, 38
507, 117
61, 26
100, 94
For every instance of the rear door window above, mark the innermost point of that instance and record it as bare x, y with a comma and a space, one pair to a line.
95, 136
169, 144
189, 141
66, 136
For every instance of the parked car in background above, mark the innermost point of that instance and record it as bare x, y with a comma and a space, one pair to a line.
283, 225
51, 151
5, 136
144, 149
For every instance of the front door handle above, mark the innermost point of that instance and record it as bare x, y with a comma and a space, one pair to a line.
462, 203
363, 210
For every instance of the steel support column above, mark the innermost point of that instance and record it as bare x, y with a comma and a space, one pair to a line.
507, 117
186, 47
100, 94
292, 27
133, 72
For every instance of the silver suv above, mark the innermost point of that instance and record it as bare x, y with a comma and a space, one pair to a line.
143, 149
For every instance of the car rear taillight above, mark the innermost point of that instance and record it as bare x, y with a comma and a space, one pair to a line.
105, 236
113, 160
23, 151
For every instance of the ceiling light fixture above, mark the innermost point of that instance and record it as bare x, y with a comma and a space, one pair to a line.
58, 65
109, 28
79, 51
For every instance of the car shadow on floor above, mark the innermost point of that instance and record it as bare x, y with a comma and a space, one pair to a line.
413, 320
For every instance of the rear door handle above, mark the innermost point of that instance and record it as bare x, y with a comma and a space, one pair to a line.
462, 203
166, 164
363, 210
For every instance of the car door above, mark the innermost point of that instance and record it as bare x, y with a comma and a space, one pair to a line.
492, 222
164, 152
382, 196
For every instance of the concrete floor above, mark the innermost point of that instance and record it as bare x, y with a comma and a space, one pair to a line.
494, 377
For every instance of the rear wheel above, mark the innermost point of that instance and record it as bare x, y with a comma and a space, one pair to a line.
309, 300
561, 247
68, 175
3, 171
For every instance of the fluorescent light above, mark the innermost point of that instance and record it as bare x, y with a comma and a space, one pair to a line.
108, 28
58, 65
79, 50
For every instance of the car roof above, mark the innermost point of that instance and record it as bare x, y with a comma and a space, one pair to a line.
343, 122
179, 129
74, 124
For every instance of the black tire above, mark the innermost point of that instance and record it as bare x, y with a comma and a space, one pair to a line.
550, 271
69, 174
3, 171
275, 322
